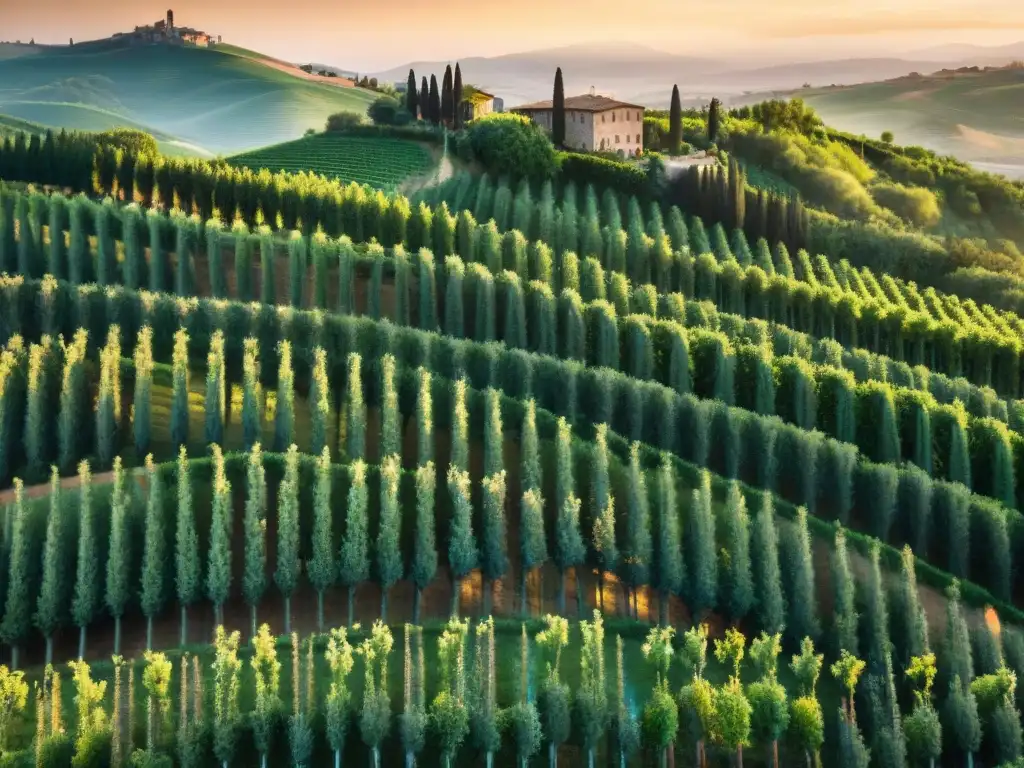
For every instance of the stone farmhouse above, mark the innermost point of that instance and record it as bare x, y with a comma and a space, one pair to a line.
595, 123
476, 103
164, 31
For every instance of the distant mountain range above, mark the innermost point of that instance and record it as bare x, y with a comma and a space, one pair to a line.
639, 73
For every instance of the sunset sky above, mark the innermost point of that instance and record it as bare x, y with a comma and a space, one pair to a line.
375, 34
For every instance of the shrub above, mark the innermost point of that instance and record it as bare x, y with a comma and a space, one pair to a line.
512, 144
385, 111
915, 205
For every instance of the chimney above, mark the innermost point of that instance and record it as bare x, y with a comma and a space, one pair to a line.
593, 91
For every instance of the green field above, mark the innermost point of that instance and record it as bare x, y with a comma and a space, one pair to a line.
205, 101
378, 162
978, 117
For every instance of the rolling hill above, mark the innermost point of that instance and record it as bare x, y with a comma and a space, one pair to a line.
976, 116
205, 101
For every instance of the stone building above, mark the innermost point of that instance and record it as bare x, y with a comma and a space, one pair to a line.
595, 123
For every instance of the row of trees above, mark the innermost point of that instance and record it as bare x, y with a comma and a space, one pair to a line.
465, 713
895, 424
733, 443
808, 295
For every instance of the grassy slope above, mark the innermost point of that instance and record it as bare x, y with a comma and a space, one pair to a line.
931, 110
217, 101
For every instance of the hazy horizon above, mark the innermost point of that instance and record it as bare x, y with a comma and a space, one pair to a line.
367, 37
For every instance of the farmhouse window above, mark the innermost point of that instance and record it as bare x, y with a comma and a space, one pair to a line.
616, 138
638, 138
602, 118
613, 117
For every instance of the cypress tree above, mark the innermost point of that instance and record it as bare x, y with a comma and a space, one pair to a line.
877, 431
243, 261
411, 100
424, 558
638, 550
769, 604
454, 312
319, 402
185, 233
321, 567
389, 555
428, 291
354, 561
462, 550
86, 597
669, 565
569, 549
533, 550
186, 550
558, 111
268, 281
434, 102
252, 394
218, 574
911, 627
37, 410
297, 258
737, 583
845, 617
52, 604
284, 414
58, 257
424, 419
494, 533
72, 401
254, 575
216, 397
214, 258
875, 625
17, 618
355, 417
951, 509
447, 98
675, 122
423, 102
108, 404
154, 556
797, 568
119, 558
289, 564
493, 434
179, 391
700, 554
142, 409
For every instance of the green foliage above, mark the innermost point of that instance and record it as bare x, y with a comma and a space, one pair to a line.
154, 555
254, 578
845, 618
218, 573
507, 143
737, 583
700, 554
797, 570
54, 591
462, 550
284, 414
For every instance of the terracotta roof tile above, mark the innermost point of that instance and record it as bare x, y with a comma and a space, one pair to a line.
581, 104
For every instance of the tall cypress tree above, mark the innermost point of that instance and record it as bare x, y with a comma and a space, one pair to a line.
322, 568
218, 569
52, 603
844, 616
737, 583
354, 558
670, 567
154, 555
714, 119
675, 122
86, 599
118, 572
286, 576
447, 107
186, 549
457, 98
764, 550
434, 102
424, 556
411, 96
558, 111
17, 618
423, 102
254, 571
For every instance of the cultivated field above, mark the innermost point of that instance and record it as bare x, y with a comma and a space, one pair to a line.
218, 102
977, 116
381, 163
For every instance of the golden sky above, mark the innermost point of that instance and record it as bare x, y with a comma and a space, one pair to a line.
373, 34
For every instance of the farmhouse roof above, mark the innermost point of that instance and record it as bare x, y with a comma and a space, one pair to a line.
588, 103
